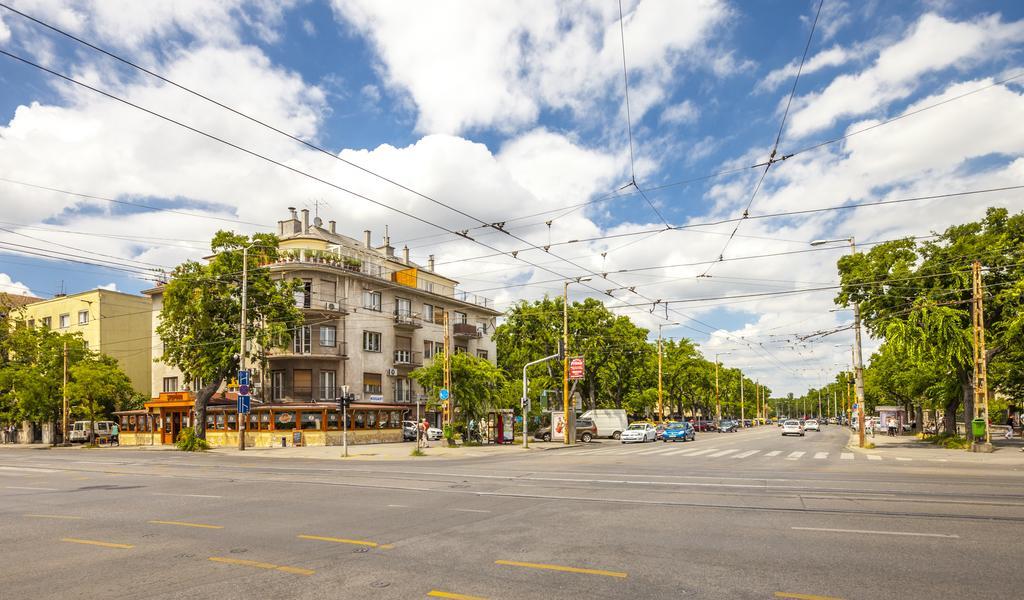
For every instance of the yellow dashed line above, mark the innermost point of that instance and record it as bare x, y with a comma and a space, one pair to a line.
262, 565
440, 594
184, 524
547, 567
95, 543
346, 541
803, 596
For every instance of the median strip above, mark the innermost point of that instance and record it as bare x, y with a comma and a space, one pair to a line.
262, 565
335, 540
565, 569
96, 543
184, 524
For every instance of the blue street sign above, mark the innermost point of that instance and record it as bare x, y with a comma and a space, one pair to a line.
244, 404
243, 389
444, 393
243, 377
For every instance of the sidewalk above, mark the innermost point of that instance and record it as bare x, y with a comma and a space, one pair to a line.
396, 451
909, 446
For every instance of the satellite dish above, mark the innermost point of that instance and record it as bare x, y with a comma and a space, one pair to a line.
318, 221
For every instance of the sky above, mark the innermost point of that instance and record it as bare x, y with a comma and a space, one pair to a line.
515, 113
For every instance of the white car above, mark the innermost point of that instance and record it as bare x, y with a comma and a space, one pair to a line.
434, 434
792, 427
639, 432
811, 425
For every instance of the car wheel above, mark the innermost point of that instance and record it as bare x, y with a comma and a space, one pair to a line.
616, 435
547, 437
586, 437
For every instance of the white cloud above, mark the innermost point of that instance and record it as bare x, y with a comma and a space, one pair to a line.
308, 27
14, 288
932, 44
5, 32
833, 57
108, 286
684, 112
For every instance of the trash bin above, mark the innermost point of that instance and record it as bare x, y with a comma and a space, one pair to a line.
978, 428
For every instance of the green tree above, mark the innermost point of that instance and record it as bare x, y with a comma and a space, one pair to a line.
199, 321
476, 384
32, 372
97, 388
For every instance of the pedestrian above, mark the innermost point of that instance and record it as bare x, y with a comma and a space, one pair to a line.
1009, 427
891, 425
114, 431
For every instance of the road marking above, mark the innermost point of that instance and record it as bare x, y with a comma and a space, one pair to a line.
820, 455
903, 459
28, 469
846, 456
262, 565
440, 594
95, 543
52, 516
804, 596
723, 453
513, 563
795, 455
397, 506
774, 453
908, 533
699, 452
937, 460
335, 540
874, 457
746, 454
184, 524
187, 495
35, 489
471, 510
682, 451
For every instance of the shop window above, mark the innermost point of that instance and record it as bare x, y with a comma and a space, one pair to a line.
232, 422
332, 421
312, 420
284, 420
360, 420
210, 422
396, 419
371, 419
264, 421
219, 422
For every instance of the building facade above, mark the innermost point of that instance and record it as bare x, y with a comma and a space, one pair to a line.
113, 323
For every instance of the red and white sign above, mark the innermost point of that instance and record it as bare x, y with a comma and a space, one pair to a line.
576, 368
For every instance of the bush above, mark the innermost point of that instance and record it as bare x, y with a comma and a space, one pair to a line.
948, 440
189, 442
417, 452
449, 433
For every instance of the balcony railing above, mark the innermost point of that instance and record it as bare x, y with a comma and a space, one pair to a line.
314, 350
301, 393
407, 319
466, 331
408, 358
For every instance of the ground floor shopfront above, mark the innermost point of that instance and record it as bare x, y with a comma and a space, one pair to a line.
268, 425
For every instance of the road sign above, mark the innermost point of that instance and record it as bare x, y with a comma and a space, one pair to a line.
576, 368
243, 378
244, 404
443, 394
243, 389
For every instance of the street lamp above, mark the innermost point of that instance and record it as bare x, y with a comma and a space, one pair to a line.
661, 414
858, 362
718, 399
568, 437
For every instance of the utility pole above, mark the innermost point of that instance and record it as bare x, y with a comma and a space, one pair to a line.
240, 417
569, 433
526, 400
980, 360
742, 415
661, 413
819, 403
718, 398
448, 371
64, 419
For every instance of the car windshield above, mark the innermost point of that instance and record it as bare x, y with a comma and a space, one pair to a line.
793, 423
638, 426
676, 426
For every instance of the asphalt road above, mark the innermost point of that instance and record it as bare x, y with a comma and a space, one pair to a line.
744, 515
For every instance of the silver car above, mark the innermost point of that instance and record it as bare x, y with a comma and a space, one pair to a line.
639, 432
792, 427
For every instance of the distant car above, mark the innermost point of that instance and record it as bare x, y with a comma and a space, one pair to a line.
434, 434
82, 433
792, 427
678, 432
409, 431
586, 431
833, 421
727, 426
639, 432
811, 425
703, 425
748, 423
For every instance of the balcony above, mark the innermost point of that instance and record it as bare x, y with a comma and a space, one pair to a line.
466, 331
314, 351
406, 320
328, 307
408, 359
289, 393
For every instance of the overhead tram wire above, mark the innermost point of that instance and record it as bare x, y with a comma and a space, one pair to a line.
778, 137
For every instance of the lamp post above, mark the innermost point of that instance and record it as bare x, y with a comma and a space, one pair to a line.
568, 437
858, 361
661, 413
718, 398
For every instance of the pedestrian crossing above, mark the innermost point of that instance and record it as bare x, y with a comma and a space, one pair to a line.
734, 454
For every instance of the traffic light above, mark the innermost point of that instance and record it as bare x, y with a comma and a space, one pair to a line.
446, 411
561, 349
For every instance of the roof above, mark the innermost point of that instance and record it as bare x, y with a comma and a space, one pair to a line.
10, 301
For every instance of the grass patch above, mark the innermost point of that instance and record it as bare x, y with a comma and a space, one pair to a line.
948, 440
417, 452
869, 445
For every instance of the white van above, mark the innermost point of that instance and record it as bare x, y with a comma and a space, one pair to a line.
80, 431
610, 422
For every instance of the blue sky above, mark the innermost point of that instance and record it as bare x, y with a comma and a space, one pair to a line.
506, 109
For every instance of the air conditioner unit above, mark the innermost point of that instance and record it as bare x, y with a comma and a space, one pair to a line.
331, 305
392, 372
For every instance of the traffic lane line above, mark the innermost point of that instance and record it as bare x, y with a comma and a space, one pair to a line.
262, 565
336, 540
451, 596
186, 524
878, 532
32, 489
547, 567
97, 543
37, 516
794, 596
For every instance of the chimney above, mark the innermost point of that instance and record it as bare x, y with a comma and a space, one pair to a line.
294, 214
332, 224
366, 238
430, 263
280, 228
405, 254
305, 220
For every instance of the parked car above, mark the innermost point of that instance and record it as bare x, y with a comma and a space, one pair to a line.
748, 423
434, 434
811, 425
610, 422
639, 432
703, 425
727, 426
586, 431
678, 432
81, 432
792, 427
408, 431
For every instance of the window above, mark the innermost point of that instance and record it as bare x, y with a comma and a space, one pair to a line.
48, 322
481, 354
328, 291
31, 323
276, 385
428, 313
371, 300
302, 383
284, 420
170, 384
311, 420
461, 350
371, 383
328, 335
65, 321
371, 341
439, 315
428, 349
300, 343
403, 307
83, 317
327, 381
85, 343
303, 296
460, 317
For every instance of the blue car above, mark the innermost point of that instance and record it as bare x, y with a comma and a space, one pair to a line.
678, 432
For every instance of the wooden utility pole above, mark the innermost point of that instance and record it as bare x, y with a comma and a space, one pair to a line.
64, 419
448, 371
980, 367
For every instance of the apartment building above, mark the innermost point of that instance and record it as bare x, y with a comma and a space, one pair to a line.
113, 323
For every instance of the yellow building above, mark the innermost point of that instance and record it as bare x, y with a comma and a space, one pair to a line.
113, 323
